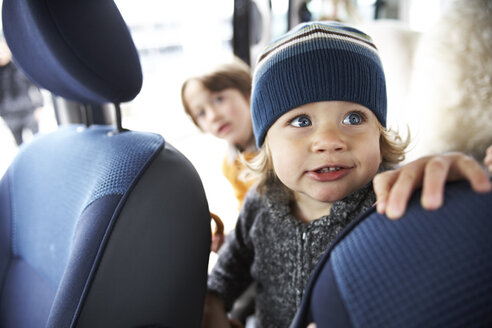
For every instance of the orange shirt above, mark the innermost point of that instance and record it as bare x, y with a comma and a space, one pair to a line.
232, 172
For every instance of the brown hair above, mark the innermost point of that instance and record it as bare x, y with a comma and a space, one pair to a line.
392, 147
233, 75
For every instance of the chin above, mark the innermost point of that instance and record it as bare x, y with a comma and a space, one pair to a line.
329, 197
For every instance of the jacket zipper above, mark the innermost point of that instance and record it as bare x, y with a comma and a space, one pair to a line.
302, 255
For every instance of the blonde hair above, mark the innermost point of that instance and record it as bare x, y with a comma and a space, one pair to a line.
233, 75
392, 148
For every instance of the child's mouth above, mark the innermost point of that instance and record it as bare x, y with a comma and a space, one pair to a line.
329, 169
224, 129
329, 173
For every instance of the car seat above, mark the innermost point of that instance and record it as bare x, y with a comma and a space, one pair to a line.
99, 226
427, 269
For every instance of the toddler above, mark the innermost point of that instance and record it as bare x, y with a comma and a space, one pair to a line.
319, 116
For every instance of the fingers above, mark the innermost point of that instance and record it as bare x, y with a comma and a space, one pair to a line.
394, 188
409, 179
488, 159
469, 169
435, 175
382, 184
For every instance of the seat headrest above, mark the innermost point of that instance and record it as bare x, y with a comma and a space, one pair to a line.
78, 49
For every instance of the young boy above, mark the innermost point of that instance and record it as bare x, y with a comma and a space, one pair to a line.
319, 112
218, 103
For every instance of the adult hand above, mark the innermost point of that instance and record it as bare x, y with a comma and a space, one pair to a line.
488, 159
394, 188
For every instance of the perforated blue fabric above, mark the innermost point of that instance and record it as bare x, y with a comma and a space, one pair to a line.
410, 274
80, 50
78, 165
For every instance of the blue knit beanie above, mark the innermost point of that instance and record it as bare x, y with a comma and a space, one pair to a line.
316, 61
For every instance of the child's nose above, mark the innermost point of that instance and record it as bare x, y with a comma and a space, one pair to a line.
328, 139
213, 113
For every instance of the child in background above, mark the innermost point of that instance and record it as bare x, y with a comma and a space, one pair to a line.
319, 115
219, 103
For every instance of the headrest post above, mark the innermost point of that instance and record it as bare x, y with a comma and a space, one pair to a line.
119, 127
87, 115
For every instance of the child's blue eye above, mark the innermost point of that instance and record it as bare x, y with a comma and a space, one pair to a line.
354, 118
300, 121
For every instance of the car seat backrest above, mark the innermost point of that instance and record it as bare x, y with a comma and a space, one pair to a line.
98, 227
428, 269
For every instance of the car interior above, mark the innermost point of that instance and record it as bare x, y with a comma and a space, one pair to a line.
104, 226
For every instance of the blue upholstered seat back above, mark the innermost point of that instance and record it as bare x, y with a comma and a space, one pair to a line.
50, 185
75, 168
428, 269
97, 229
78, 49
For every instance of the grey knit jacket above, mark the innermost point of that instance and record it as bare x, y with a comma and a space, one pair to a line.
277, 251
